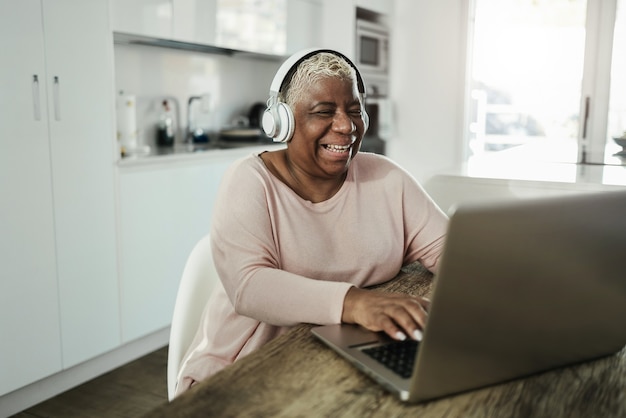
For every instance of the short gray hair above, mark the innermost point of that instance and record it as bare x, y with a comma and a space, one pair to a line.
313, 69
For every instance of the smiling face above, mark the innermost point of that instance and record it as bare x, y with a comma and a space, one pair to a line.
329, 127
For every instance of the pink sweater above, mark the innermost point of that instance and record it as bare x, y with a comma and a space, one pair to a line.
284, 261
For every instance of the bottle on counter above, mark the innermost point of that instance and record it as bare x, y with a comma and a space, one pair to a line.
165, 128
127, 133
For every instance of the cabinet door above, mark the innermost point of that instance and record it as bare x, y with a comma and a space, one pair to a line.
164, 212
194, 21
79, 54
30, 346
304, 26
142, 17
256, 26
338, 26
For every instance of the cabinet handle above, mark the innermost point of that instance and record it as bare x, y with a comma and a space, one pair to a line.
57, 103
36, 103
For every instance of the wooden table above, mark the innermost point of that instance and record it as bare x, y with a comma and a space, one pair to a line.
296, 375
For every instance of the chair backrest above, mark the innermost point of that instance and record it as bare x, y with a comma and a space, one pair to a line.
196, 284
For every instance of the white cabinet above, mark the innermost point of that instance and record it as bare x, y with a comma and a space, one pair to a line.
80, 90
275, 27
29, 309
256, 26
143, 17
195, 21
165, 210
304, 25
58, 293
181, 20
338, 26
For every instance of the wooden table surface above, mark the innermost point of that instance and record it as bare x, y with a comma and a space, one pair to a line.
296, 375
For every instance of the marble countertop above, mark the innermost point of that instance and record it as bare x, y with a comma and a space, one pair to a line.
192, 152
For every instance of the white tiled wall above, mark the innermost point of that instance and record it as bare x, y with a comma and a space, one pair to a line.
154, 73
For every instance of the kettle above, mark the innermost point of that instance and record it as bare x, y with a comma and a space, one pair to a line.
255, 115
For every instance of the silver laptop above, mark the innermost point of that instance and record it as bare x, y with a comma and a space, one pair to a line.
523, 287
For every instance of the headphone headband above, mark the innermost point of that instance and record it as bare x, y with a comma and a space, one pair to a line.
289, 67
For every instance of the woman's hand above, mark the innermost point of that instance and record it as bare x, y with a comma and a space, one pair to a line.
396, 314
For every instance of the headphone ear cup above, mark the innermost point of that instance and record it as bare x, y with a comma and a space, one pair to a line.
286, 122
269, 122
278, 122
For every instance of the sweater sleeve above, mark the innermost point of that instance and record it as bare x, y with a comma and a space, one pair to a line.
247, 258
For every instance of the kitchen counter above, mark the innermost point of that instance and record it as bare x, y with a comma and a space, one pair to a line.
481, 182
181, 153
579, 175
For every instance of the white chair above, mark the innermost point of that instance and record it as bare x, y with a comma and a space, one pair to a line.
196, 284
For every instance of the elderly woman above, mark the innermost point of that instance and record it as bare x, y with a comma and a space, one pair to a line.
299, 233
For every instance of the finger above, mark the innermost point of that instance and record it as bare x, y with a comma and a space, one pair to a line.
391, 329
409, 314
418, 312
412, 321
405, 311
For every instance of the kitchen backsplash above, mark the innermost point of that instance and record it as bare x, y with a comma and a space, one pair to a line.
153, 74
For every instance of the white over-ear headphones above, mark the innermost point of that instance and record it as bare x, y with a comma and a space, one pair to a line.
278, 121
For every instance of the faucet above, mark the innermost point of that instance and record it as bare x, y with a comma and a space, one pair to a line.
196, 134
190, 133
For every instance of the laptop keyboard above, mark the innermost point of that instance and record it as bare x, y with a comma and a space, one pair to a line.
398, 356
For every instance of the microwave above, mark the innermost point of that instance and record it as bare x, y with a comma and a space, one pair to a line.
372, 47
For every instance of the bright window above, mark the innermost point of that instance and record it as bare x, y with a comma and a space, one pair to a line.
547, 81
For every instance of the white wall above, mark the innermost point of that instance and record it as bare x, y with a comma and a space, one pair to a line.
428, 49
151, 74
